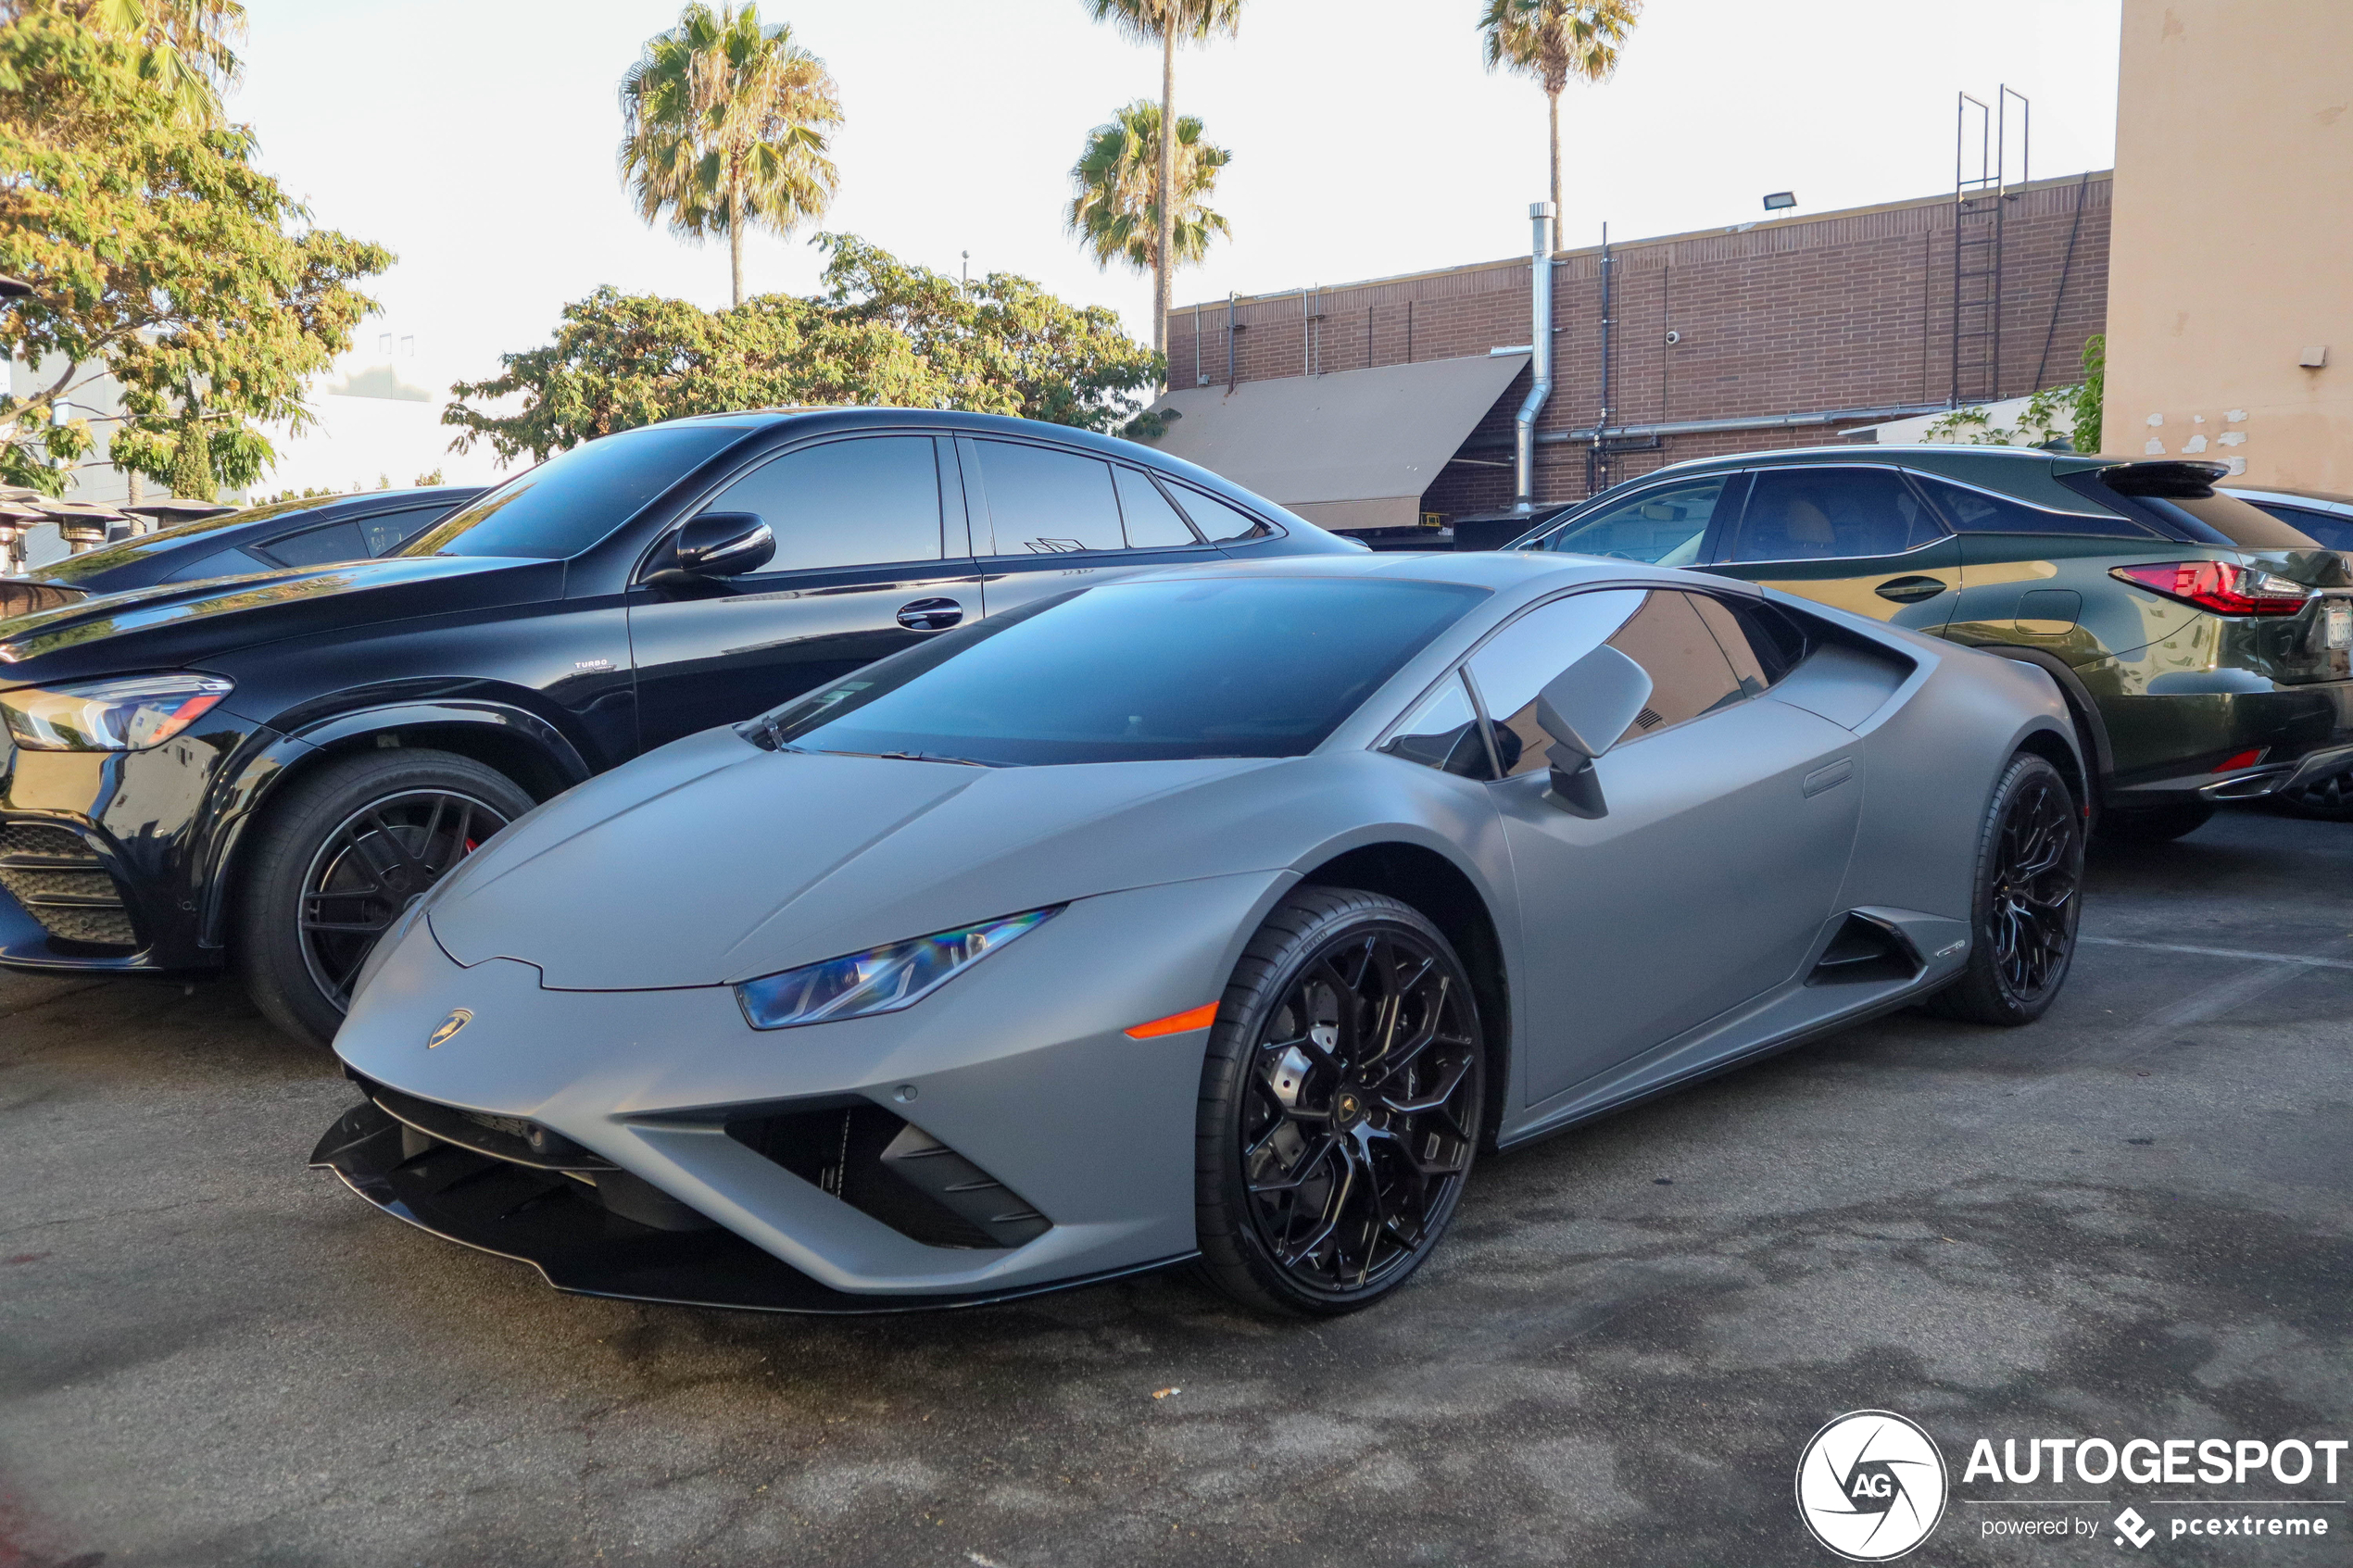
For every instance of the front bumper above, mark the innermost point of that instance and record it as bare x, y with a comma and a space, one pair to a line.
107, 859
774, 1169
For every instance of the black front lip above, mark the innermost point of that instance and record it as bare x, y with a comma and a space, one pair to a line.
543, 1218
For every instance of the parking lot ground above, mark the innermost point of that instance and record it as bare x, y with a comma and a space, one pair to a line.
2135, 1218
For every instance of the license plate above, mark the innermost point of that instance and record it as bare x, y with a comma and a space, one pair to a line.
2336, 624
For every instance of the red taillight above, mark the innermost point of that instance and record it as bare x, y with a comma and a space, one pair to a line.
2218, 586
2244, 760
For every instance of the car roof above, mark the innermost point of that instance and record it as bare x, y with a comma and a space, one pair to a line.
1495, 569
951, 421
2328, 498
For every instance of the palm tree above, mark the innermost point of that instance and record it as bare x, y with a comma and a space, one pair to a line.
723, 125
1164, 22
1554, 40
1115, 212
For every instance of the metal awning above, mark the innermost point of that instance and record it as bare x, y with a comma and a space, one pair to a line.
1352, 449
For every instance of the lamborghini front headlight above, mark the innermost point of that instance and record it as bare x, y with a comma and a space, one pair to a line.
880, 979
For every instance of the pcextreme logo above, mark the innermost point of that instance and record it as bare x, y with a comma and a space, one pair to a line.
1871, 1485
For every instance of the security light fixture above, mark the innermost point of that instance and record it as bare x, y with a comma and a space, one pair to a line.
1780, 199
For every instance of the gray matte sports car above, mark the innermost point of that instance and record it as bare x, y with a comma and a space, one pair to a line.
1224, 912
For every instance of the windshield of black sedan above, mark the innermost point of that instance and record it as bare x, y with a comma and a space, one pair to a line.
573, 499
1136, 672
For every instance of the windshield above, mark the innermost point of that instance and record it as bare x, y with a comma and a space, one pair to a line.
1136, 672
575, 498
73, 569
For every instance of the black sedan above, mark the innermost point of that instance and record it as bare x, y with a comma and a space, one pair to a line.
265, 771
313, 532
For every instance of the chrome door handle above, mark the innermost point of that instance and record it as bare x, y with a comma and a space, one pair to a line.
1910, 590
930, 615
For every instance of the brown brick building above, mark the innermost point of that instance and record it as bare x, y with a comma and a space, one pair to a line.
1782, 333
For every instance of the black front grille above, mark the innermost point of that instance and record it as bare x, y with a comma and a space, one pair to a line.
891, 1170
62, 882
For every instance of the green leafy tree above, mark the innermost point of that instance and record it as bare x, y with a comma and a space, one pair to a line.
1557, 42
2090, 394
1116, 212
725, 128
881, 333
157, 254
1167, 22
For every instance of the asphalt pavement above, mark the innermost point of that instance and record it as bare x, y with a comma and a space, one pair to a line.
2135, 1218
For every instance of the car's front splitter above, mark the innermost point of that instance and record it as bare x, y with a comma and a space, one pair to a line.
554, 1221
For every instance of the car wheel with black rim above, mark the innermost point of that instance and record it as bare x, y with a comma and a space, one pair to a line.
1340, 1105
2026, 901
340, 855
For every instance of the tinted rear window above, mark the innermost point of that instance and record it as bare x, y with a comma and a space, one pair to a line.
2188, 512
575, 498
1138, 671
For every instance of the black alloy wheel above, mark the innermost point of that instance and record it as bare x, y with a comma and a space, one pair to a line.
379, 861
2030, 881
1341, 1103
340, 856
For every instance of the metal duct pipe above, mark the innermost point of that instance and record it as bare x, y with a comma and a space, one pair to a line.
1540, 314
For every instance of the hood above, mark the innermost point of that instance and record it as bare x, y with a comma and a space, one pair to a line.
22, 596
712, 860
175, 623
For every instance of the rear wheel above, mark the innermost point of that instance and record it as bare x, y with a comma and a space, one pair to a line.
1340, 1106
2153, 824
2029, 873
340, 856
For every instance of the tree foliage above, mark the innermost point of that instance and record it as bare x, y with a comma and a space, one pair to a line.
880, 333
2090, 394
1557, 42
157, 253
1115, 212
725, 128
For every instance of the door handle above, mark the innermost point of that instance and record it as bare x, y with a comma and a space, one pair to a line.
1910, 590
930, 615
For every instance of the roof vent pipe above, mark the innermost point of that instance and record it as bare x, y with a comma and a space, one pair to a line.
1541, 342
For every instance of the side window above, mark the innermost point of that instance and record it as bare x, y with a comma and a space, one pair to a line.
1521, 660
1045, 502
2327, 529
1662, 526
1689, 672
1443, 733
318, 547
1152, 523
1219, 524
1973, 512
1829, 513
387, 529
864, 502
1761, 641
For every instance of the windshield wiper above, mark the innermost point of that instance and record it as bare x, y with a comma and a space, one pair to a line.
904, 757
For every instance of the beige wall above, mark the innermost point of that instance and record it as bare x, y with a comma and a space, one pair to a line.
2233, 237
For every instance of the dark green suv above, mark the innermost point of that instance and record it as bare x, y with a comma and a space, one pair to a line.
2202, 643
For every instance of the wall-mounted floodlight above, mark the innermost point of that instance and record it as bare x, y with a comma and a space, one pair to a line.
1779, 200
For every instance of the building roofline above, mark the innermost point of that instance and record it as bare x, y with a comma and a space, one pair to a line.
1940, 199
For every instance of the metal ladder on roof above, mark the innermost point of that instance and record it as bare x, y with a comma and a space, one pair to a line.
1981, 201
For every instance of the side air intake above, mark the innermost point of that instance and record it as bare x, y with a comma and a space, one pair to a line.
891, 1170
1866, 952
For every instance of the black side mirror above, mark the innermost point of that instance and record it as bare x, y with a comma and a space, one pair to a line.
1584, 710
716, 544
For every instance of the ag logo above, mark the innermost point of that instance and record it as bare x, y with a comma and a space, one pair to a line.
1871, 1485
450, 1026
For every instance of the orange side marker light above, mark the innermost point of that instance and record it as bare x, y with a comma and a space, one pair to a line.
1201, 1017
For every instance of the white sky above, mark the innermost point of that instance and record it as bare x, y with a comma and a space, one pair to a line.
476, 138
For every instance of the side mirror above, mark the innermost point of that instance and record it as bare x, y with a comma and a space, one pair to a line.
717, 545
1584, 710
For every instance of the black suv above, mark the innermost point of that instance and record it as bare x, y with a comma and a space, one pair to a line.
266, 771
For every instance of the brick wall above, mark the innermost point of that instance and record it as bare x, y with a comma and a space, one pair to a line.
1844, 310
